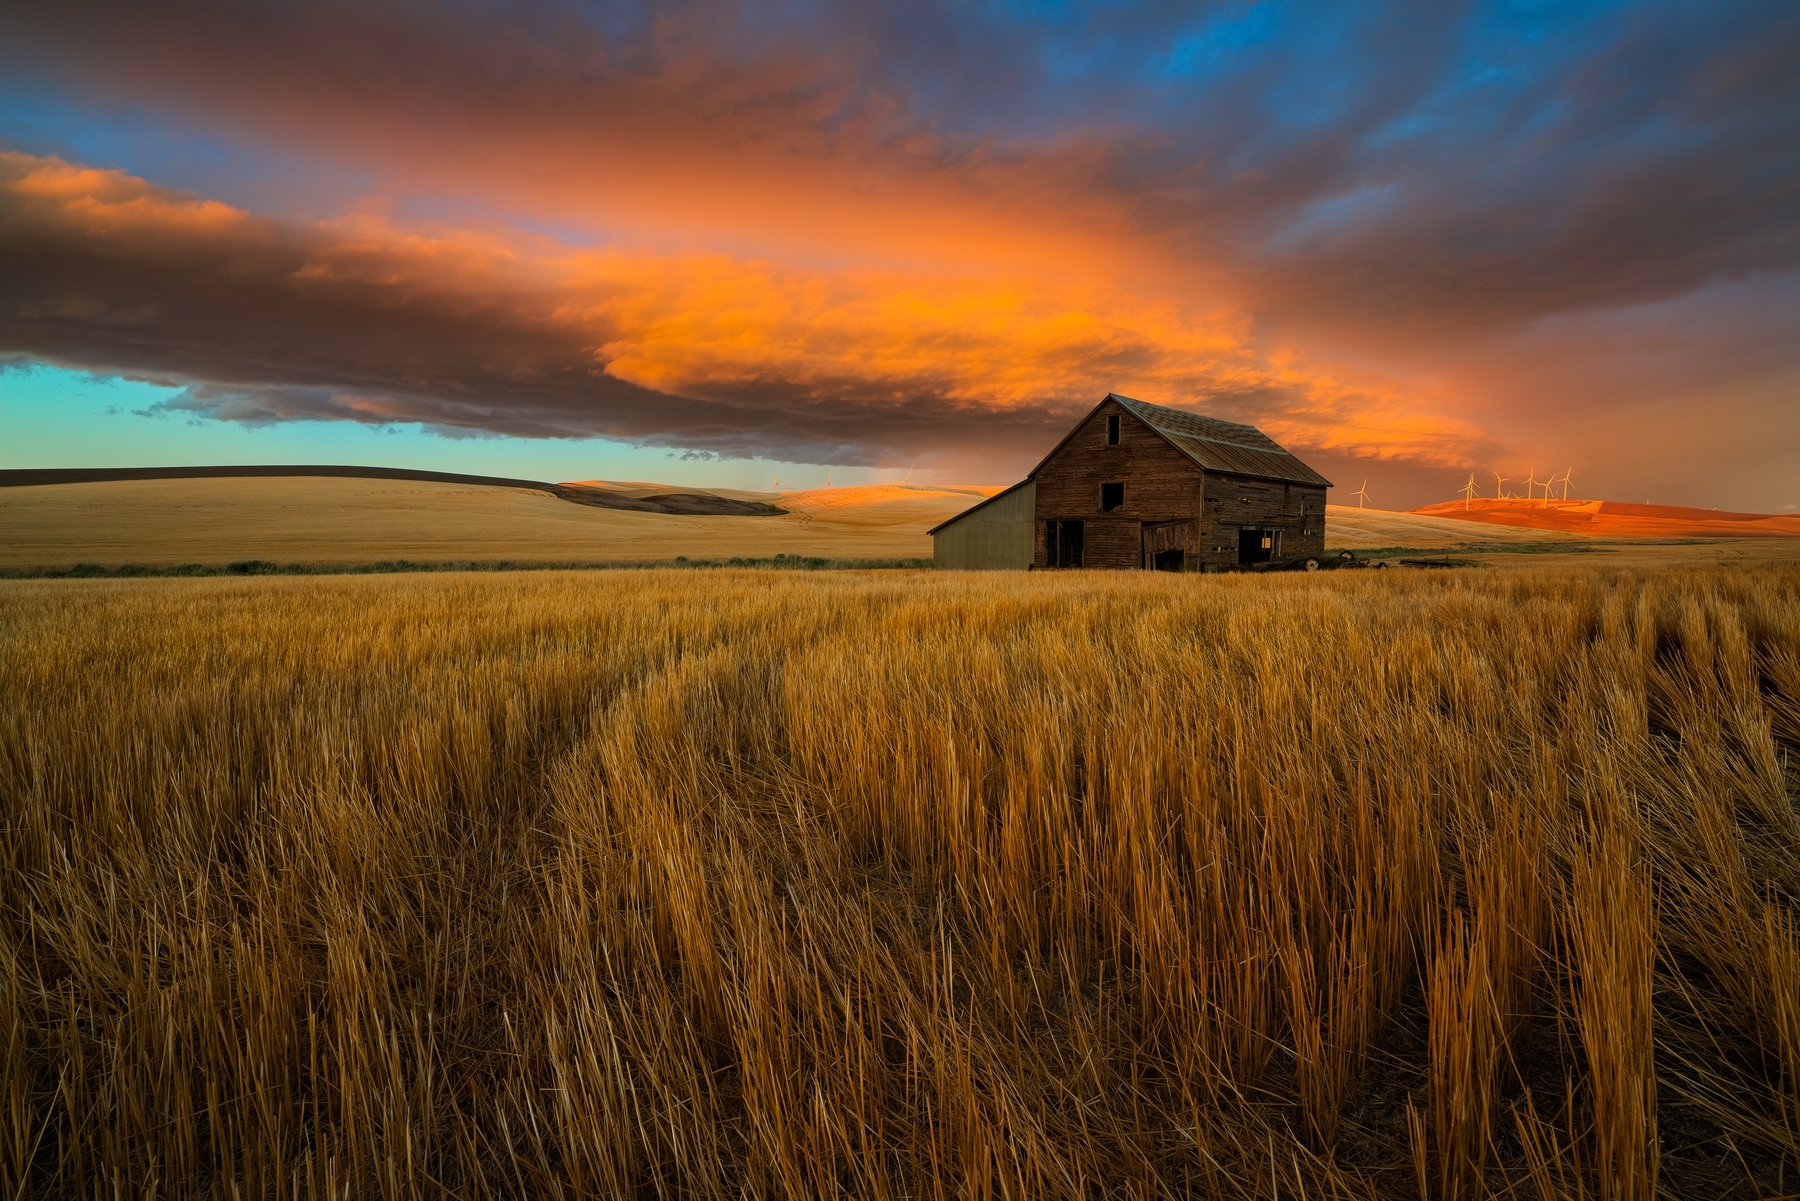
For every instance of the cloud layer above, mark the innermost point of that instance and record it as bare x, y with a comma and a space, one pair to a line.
357, 320
880, 232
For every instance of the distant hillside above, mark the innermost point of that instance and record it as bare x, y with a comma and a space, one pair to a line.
1615, 519
636, 498
29, 477
314, 518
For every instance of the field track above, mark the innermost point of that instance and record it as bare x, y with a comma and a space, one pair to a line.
902, 884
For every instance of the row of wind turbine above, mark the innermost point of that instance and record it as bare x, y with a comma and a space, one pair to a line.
1470, 491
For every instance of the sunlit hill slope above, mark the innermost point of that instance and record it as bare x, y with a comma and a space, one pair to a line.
1616, 519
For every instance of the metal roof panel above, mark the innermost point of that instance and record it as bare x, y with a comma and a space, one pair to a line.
1223, 446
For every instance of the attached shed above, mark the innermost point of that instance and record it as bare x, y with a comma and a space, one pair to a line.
995, 535
1143, 486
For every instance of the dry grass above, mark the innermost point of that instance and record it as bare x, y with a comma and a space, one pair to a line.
1362, 529
897, 885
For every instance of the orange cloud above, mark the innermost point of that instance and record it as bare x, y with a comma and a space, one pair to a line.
492, 333
105, 201
708, 323
681, 323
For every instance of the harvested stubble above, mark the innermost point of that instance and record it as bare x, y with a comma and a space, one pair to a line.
902, 885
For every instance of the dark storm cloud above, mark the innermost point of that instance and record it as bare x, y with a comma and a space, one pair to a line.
284, 323
1542, 179
1455, 165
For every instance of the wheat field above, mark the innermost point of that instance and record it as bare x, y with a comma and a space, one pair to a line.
902, 885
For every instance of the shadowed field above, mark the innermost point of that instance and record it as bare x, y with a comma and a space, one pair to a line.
901, 884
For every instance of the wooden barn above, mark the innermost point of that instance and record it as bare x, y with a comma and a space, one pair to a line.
1147, 487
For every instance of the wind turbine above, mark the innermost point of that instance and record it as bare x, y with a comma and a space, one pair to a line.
908, 478
1469, 491
1499, 486
777, 483
1544, 484
1567, 473
1532, 480
1361, 494
828, 477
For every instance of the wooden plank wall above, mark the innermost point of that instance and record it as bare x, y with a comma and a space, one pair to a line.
1164, 485
1234, 503
1161, 484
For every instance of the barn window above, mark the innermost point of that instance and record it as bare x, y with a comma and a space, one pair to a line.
1062, 543
1111, 496
1112, 430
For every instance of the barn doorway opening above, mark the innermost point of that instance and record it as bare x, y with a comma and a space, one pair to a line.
1062, 543
1169, 560
1256, 546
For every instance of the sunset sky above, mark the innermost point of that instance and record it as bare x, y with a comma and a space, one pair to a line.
712, 243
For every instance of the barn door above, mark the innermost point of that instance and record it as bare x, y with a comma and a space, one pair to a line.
1164, 545
1062, 543
1256, 546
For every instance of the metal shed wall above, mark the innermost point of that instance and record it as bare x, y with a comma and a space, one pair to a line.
996, 536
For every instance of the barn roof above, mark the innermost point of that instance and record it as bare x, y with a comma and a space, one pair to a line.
1222, 446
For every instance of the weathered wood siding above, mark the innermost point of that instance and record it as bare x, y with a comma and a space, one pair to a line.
1161, 484
996, 536
1169, 501
1234, 503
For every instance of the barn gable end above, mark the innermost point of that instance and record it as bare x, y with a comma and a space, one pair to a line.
1156, 483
